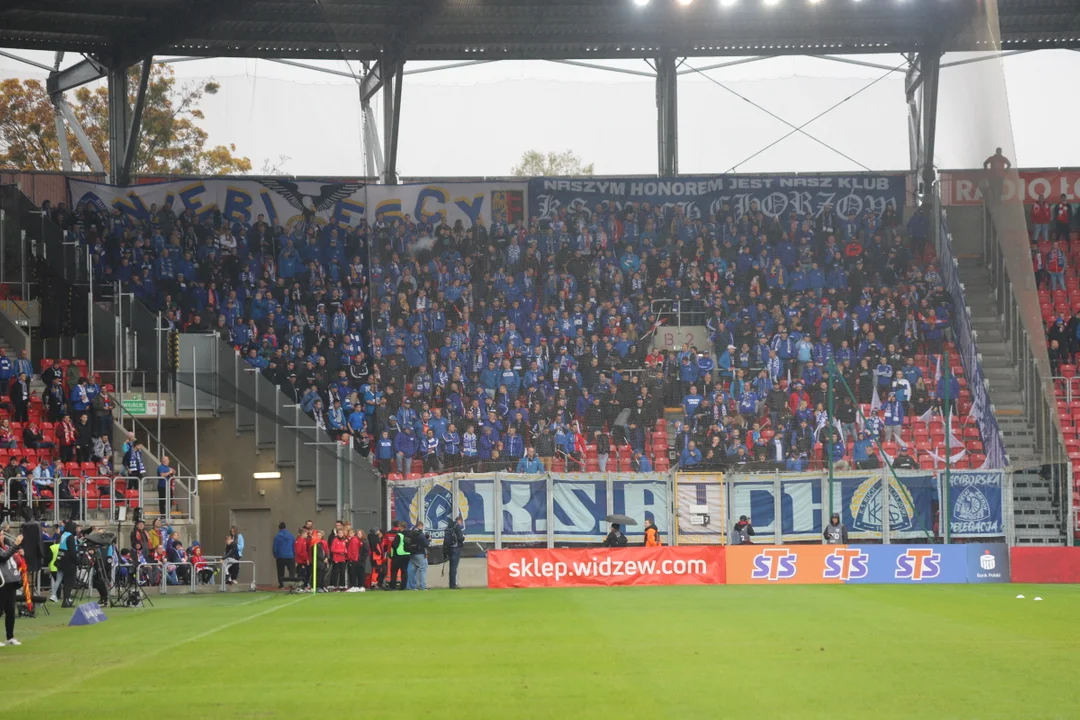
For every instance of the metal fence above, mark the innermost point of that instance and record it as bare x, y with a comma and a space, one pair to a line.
556, 509
214, 377
1025, 335
97, 498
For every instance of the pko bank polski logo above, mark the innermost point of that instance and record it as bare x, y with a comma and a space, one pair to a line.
987, 561
918, 564
846, 564
774, 564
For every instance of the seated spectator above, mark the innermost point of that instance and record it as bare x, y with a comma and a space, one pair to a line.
7, 435
33, 438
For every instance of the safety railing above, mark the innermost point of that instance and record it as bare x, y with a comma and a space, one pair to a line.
166, 497
97, 497
233, 574
688, 508
1036, 384
678, 313
1070, 385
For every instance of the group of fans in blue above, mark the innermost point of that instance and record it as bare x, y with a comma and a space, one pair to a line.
520, 342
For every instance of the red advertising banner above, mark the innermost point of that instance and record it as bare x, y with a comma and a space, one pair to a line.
966, 188
1045, 564
606, 567
779, 565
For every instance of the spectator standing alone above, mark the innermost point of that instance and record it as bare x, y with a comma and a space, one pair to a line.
1040, 218
284, 554
1062, 221
165, 483
995, 167
1056, 263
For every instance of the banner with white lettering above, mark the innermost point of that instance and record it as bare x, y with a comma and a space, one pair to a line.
701, 508
966, 187
294, 204
719, 195
975, 503
796, 495
449, 203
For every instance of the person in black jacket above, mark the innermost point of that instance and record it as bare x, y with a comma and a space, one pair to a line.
615, 537
904, 461
417, 546
453, 542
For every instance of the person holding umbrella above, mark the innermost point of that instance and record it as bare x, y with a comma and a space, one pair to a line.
615, 537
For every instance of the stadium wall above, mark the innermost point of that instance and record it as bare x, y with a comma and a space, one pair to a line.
238, 497
1046, 564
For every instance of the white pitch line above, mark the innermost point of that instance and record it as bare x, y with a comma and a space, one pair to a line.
142, 657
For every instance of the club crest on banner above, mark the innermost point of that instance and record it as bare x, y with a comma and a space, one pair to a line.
972, 505
867, 507
436, 507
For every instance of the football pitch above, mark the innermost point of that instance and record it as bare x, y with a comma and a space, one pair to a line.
956, 651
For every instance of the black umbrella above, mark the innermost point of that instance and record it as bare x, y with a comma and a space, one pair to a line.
620, 519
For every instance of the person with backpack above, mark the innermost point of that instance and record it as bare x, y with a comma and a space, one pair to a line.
615, 538
453, 542
418, 563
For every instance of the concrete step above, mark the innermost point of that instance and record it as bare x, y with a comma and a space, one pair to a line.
1002, 377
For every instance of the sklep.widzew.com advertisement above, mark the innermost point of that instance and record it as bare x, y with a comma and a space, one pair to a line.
526, 568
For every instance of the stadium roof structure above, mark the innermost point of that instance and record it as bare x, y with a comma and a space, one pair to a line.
532, 29
113, 35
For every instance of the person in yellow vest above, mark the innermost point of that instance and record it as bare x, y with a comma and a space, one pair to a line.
652, 535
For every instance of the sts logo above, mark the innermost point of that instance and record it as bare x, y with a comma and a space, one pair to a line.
774, 564
846, 564
918, 564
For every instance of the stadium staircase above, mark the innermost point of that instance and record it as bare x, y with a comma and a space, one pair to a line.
1036, 517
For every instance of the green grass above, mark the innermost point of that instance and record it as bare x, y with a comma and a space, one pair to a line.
963, 651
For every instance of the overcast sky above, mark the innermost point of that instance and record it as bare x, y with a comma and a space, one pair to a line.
478, 120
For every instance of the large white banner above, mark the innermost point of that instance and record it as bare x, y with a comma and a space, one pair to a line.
449, 202
292, 203
300, 203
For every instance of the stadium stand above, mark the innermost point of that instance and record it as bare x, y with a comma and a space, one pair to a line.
436, 347
1055, 256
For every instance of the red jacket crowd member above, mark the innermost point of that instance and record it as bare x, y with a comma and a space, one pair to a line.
354, 565
338, 555
1040, 218
302, 551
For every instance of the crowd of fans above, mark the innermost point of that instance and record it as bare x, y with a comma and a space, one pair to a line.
524, 345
